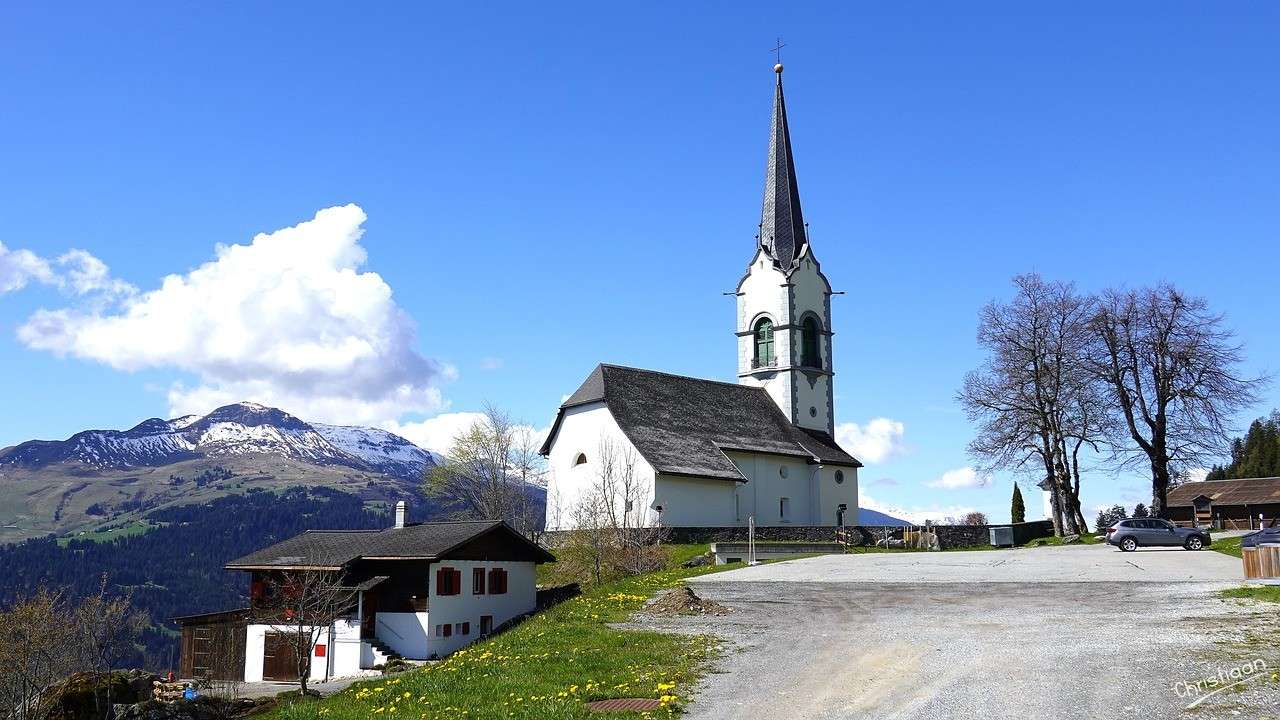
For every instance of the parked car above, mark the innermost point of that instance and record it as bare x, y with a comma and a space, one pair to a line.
1133, 533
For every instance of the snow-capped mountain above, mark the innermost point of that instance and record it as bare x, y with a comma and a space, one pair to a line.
240, 429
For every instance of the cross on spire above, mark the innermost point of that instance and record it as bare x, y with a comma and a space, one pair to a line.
777, 50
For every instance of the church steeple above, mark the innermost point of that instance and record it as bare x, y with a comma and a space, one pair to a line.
784, 300
782, 231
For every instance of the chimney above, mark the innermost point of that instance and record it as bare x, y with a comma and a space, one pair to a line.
400, 514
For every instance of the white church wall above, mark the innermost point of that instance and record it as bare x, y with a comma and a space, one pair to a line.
696, 502
766, 487
832, 494
810, 291
581, 431
761, 294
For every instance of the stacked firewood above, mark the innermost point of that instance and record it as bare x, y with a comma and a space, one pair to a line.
167, 691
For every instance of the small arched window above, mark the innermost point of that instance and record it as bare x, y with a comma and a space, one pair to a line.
810, 354
580, 460
764, 343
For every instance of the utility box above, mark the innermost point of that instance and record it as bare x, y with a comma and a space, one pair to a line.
1002, 536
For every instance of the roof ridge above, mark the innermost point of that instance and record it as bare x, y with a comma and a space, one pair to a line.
683, 377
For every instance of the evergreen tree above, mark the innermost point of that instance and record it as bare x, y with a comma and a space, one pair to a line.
1257, 454
1140, 510
1017, 509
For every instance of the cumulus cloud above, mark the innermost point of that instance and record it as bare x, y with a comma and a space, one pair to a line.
915, 514
75, 272
435, 434
19, 267
961, 478
877, 441
288, 320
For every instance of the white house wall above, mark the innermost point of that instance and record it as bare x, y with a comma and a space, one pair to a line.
581, 431
341, 651
521, 597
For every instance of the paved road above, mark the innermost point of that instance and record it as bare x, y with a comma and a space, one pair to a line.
1070, 563
1065, 632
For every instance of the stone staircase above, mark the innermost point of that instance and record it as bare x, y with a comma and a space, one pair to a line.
382, 653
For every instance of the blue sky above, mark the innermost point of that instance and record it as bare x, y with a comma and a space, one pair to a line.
550, 186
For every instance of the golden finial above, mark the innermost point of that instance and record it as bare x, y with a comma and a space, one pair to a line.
777, 50
778, 68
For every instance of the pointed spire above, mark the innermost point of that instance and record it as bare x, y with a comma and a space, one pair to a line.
782, 231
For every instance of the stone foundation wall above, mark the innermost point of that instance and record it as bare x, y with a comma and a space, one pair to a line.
949, 536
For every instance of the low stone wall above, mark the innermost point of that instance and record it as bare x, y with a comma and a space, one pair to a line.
949, 536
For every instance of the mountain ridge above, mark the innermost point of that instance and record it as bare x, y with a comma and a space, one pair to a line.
237, 429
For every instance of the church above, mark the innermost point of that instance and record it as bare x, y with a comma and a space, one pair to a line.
704, 453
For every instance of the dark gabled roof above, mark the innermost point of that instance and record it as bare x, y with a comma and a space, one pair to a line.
782, 231
1250, 491
684, 426
335, 549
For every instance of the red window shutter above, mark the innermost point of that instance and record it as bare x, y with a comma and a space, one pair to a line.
442, 587
448, 629
457, 581
466, 628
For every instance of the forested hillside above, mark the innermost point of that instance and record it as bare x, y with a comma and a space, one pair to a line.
176, 568
1257, 454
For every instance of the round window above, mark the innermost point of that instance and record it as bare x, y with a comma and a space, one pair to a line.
839, 477
782, 471
813, 411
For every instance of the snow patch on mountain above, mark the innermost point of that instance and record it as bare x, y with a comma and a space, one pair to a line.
387, 451
240, 429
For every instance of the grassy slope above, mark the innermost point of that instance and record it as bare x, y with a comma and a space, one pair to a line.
55, 499
547, 667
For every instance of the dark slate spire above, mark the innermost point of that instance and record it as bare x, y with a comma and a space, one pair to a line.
782, 232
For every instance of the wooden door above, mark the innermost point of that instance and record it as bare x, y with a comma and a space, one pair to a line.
279, 661
369, 617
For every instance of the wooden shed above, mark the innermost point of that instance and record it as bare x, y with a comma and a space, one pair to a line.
213, 645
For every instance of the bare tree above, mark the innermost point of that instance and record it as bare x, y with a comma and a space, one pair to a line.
974, 518
36, 650
303, 603
490, 472
1172, 371
615, 529
104, 630
1035, 404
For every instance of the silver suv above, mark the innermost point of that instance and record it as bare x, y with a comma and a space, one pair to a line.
1130, 534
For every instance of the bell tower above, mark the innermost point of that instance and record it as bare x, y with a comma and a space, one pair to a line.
784, 300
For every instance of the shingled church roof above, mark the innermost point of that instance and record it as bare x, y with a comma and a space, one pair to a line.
683, 425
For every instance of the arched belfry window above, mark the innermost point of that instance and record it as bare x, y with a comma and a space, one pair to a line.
764, 343
580, 460
810, 355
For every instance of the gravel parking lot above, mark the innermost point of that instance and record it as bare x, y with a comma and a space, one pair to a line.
1041, 633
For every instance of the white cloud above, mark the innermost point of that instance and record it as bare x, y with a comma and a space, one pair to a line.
1195, 474
19, 267
961, 478
287, 320
877, 441
435, 434
918, 515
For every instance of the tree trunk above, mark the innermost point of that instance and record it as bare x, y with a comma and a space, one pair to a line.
1159, 485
